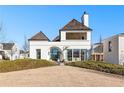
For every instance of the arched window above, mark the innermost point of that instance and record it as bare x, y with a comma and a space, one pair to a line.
55, 53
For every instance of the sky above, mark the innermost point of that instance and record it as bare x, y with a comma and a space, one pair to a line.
20, 21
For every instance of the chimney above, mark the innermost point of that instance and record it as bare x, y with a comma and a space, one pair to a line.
85, 19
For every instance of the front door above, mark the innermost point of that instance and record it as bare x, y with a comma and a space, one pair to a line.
55, 53
38, 53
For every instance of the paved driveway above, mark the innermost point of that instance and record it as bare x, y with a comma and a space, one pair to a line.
60, 76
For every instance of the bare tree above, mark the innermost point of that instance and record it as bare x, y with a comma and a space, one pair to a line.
25, 46
1, 26
2, 32
101, 48
12, 51
65, 48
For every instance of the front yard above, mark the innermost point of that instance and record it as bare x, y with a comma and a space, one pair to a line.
60, 76
21, 64
100, 66
48, 74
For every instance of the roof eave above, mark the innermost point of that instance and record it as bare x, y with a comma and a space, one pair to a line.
37, 40
75, 29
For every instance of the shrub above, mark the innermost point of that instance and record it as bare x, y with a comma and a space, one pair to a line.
21, 64
100, 66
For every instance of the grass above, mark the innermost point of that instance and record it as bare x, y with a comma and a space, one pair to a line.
21, 64
99, 66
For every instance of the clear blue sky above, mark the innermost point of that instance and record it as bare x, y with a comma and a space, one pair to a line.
28, 20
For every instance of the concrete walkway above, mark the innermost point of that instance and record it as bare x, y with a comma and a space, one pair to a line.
56, 76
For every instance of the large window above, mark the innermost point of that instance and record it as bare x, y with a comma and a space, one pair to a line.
69, 54
38, 53
55, 53
76, 53
76, 36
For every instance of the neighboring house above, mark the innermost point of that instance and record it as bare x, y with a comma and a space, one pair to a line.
9, 51
97, 52
114, 49
72, 44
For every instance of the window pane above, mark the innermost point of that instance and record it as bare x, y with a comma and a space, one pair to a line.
83, 54
109, 46
69, 54
76, 53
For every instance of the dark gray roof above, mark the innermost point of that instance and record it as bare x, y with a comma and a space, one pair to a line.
75, 25
99, 48
7, 46
57, 38
40, 36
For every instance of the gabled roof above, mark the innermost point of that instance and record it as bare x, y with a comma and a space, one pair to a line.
40, 36
57, 38
75, 25
7, 46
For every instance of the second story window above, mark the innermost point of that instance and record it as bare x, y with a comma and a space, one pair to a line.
76, 36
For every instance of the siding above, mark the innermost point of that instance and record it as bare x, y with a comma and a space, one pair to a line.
111, 57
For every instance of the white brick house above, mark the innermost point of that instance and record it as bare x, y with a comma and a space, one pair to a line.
72, 44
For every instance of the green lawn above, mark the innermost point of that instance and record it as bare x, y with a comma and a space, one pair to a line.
100, 66
21, 64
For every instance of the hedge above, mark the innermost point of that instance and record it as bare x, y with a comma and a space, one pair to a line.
99, 66
21, 64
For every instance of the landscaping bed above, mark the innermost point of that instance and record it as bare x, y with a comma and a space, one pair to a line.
100, 66
21, 64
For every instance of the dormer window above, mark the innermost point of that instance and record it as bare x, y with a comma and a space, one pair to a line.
82, 38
